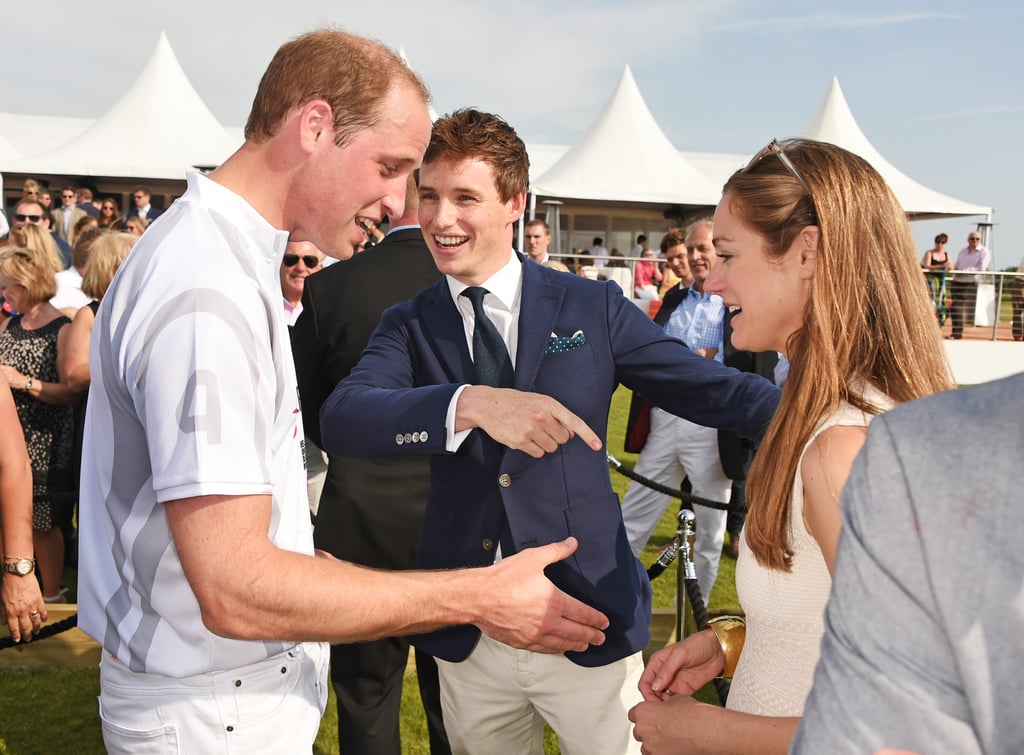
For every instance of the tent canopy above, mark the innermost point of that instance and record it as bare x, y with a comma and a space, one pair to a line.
834, 123
158, 129
626, 157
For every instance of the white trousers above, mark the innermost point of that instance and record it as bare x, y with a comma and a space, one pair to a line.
496, 702
274, 705
677, 448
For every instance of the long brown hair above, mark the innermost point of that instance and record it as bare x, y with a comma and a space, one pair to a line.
867, 320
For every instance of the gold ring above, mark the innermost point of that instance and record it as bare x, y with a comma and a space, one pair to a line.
34, 615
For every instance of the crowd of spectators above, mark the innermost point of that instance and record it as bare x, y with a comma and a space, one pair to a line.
55, 263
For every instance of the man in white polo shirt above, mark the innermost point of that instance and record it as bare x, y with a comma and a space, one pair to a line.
197, 574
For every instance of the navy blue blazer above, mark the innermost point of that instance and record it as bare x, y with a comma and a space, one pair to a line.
397, 397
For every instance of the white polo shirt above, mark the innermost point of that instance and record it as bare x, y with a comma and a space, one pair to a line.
193, 393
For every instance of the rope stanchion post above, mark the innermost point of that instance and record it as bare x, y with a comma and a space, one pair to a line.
691, 612
685, 535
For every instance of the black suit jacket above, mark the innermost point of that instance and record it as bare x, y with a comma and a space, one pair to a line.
371, 509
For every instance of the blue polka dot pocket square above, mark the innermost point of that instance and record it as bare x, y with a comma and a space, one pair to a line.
557, 344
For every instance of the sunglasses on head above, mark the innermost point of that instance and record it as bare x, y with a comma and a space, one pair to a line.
309, 260
774, 148
30, 218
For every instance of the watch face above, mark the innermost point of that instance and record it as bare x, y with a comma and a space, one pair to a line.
24, 566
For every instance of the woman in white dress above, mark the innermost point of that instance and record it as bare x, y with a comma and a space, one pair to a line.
817, 253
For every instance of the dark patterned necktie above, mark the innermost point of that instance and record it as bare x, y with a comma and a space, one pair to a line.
490, 355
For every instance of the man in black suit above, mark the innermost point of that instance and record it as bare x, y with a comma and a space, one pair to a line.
371, 509
141, 196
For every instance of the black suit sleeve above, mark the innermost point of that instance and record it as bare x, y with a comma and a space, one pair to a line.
310, 370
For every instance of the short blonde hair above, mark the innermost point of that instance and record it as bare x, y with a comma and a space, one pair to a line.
22, 267
108, 252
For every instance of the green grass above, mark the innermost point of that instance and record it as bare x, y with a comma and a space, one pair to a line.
54, 709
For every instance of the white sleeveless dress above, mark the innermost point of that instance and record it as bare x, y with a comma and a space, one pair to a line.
785, 611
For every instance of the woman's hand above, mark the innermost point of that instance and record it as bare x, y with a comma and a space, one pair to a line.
23, 608
682, 668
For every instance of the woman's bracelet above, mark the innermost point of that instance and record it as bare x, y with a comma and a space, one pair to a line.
731, 632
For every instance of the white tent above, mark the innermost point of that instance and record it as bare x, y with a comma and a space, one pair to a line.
834, 123
158, 129
626, 157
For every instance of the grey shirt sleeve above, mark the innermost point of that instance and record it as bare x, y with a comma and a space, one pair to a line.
924, 624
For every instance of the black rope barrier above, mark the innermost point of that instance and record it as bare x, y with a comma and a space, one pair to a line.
664, 489
48, 630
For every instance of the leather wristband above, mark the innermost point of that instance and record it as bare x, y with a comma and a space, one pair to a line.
731, 632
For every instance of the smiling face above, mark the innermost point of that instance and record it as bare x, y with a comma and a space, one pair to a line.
676, 261
293, 277
363, 180
700, 253
772, 292
467, 225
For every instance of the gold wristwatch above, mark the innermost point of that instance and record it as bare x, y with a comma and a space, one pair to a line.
22, 567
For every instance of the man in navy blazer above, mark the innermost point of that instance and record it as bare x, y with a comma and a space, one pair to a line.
522, 466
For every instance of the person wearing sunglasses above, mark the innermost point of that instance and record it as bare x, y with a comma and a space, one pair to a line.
301, 259
785, 231
67, 215
109, 214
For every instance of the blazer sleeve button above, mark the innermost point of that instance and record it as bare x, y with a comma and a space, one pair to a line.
488, 544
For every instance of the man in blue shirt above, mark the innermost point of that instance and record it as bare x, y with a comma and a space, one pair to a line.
677, 448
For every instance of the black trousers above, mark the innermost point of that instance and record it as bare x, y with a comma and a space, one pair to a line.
367, 679
1017, 303
964, 295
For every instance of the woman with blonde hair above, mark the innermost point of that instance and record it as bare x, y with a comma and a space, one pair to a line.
108, 252
30, 346
135, 225
792, 233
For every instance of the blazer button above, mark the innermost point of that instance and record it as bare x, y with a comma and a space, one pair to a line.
488, 544
399, 439
424, 436
505, 480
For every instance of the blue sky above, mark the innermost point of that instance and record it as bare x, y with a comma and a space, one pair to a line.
937, 86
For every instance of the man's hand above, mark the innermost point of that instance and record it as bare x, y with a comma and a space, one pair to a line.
529, 612
529, 422
683, 667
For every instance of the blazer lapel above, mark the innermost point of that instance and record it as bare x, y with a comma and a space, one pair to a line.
443, 325
538, 310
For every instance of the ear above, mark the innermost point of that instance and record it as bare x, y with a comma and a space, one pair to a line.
516, 205
808, 245
316, 125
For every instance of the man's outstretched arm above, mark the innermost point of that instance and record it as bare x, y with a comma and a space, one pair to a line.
248, 588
